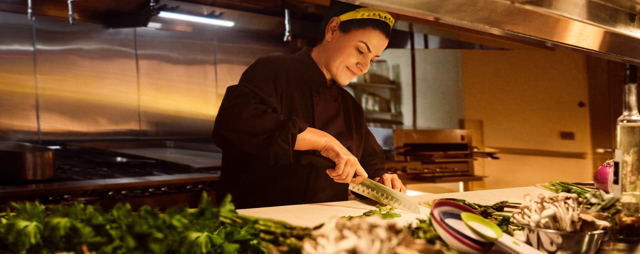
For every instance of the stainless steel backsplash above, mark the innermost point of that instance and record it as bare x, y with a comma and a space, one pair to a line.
64, 82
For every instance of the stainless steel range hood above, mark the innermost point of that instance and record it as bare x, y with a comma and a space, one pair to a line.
606, 28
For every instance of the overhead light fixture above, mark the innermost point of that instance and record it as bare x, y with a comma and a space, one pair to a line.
218, 22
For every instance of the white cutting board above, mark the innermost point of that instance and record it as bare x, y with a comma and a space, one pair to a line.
313, 214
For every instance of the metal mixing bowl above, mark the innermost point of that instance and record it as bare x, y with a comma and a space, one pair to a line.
553, 241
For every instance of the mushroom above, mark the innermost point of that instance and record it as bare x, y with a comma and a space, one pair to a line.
360, 235
554, 211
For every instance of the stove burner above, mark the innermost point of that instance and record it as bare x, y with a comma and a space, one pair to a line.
139, 181
77, 164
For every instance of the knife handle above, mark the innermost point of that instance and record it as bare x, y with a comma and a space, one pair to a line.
316, 160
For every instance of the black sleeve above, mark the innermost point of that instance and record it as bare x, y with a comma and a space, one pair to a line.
250, 119
372, 158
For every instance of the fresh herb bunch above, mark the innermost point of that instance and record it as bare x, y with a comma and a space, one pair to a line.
484, 210
34, 228
560, 186
424, 230
503, 221
599, 202
386, 212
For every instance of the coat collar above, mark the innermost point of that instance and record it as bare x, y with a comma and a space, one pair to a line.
319, 81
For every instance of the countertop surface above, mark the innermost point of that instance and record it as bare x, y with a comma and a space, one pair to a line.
314, 214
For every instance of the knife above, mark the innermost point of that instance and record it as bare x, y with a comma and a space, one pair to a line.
368, 188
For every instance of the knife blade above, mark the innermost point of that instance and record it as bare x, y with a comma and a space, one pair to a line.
368, 188
383, 194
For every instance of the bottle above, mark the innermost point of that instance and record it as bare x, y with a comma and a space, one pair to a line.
628, 157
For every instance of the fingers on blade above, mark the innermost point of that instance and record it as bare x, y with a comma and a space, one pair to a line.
387, 181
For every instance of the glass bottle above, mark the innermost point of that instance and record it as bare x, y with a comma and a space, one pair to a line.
628, 155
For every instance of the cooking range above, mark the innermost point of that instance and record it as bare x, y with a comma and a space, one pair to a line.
93, 174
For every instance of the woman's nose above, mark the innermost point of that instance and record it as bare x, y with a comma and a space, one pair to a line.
364, 66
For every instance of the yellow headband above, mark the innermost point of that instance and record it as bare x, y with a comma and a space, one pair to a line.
368, 13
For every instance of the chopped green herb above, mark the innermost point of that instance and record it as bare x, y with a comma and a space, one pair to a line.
386, 212
424, 230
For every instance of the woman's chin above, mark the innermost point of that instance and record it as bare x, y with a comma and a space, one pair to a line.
344, 81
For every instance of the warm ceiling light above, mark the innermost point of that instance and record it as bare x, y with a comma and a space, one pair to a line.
217, 22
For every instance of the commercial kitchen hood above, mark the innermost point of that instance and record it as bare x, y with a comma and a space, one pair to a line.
605, 28
250, 16
111, 13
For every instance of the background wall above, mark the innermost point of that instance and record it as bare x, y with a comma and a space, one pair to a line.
440, 90
17, 80
525, 98
85, 81
439, 87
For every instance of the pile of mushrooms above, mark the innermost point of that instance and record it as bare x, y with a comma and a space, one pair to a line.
563, 212
359, 235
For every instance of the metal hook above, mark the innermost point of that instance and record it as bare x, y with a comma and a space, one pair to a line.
152, 5
287, 26
30, 12
71, 19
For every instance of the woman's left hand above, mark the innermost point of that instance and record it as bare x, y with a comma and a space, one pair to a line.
392, 181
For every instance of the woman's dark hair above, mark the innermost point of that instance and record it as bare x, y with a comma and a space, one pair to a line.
338, 8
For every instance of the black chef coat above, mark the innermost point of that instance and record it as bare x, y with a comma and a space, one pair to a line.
277, 98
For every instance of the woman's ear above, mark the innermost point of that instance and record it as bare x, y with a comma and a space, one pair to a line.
332, 29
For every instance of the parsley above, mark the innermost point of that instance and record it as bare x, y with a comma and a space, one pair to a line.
33, 228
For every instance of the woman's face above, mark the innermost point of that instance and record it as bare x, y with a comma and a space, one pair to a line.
351, 54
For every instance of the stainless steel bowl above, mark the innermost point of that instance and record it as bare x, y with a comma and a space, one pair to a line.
553, 241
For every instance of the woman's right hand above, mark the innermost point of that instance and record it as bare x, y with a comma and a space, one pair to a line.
347, 165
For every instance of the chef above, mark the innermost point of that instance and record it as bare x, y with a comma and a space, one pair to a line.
284, 107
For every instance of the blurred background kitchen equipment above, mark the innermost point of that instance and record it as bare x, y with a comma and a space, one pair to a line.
77, 174
115, 159
439, 152
25, 162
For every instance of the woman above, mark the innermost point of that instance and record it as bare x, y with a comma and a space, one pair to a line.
286, 106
